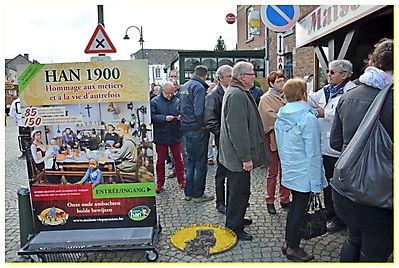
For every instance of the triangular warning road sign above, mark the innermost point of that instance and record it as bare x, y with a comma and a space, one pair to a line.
100, 42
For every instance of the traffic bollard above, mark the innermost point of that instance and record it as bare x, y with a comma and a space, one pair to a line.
26, 227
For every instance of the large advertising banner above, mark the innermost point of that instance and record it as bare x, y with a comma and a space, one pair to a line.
90, 156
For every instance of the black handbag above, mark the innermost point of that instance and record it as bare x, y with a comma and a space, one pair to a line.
364, 170
314, 222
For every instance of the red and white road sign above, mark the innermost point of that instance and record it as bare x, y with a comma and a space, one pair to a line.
230, 18
100, 42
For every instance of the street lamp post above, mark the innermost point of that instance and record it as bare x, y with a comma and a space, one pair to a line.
141, 41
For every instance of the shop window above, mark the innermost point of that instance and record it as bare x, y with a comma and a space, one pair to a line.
211, 76
288, 70
260, 74
187, 75
209, 63
239, 59
257, 63
191, 63
226, 62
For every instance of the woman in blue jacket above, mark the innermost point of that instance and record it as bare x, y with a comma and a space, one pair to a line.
298, 139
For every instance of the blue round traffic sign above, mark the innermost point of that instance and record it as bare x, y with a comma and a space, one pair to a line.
279, 18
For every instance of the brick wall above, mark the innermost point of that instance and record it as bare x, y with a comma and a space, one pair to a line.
303, 58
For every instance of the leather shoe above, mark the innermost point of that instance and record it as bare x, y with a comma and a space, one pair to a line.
299, 255
333, 227
244, 236
271, 209
284, 247
221, 208
286, 205
247, 221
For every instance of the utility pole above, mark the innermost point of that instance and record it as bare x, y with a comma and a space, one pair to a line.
100, 13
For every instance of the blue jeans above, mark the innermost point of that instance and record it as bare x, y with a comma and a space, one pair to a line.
197, 162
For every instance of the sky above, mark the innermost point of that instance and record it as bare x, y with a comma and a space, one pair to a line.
60, 32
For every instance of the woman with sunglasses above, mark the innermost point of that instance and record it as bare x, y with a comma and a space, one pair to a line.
325, 101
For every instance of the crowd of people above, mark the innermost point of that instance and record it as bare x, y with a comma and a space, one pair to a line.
297, 135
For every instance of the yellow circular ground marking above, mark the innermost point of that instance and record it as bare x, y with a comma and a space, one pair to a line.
218, 238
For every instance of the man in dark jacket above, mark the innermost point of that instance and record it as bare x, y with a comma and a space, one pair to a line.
242, 145
256, 93
165, 117
212, 114
192, 105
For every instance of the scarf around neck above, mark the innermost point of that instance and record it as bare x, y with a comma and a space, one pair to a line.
376, 78
237, 83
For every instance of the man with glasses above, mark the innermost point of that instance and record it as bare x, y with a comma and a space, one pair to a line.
242, 145
192, 105
165, 117
325, 101
213, 111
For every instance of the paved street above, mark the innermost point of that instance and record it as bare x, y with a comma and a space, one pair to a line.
268, 230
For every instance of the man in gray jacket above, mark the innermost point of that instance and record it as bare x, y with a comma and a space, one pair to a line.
242, 145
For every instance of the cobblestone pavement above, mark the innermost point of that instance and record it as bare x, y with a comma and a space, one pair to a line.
175, 212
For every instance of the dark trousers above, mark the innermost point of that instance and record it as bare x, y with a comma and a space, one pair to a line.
295, 217
238, 184
366, 246
328, 163
220, 179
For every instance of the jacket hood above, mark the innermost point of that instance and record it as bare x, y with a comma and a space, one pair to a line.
292, 112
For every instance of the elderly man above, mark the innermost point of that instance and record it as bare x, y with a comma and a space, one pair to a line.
242, 145
325, 101
165, 117
213, 111
192, 105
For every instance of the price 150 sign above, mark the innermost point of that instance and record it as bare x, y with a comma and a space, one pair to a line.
37, 116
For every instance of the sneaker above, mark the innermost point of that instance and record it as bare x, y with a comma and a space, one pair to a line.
203, 198
188, 198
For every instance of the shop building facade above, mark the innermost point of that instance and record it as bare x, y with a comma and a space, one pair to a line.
322, 34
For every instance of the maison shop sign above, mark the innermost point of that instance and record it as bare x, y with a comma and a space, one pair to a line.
326, 19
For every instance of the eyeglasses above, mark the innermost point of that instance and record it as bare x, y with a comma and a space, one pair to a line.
279, 81
250, 74
332, 72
